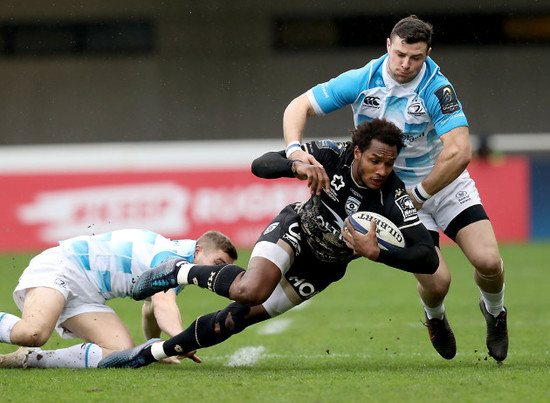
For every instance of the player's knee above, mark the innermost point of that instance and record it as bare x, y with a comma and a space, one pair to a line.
436, 289
490, 266
248, 295
32, 336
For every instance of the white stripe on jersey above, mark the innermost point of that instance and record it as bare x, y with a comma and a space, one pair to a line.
114, 259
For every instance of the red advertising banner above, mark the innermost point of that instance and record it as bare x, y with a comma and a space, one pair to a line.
37, 210
504, 187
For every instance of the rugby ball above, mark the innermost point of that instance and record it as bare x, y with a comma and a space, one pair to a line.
389, 236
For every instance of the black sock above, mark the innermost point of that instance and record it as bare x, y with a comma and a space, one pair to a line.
202, 332
217, 278
199, 334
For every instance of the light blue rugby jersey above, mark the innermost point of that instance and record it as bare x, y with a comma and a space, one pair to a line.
423, 109
113, 260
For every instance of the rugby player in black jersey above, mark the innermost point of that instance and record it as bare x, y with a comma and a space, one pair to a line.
304, 248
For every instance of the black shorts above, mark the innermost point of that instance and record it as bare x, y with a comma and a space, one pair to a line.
470, 215
306, 274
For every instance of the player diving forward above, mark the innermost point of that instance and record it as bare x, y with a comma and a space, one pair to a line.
406, 87
303, 250
66, 287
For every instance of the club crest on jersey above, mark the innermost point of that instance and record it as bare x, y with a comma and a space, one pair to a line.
406, 206
352, 205
415, 108
448, 101
337, 182
270, 228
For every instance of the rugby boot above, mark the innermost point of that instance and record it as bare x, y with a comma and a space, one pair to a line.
131, 358
441, 336
497, 332
159, 278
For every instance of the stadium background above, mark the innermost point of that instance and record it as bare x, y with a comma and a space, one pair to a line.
105, 106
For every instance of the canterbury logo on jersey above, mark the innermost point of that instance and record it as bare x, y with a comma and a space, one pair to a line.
372, 102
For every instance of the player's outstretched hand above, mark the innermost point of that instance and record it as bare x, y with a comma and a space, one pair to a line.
191, 355
307, 167
170, 360
365, 245
176, 360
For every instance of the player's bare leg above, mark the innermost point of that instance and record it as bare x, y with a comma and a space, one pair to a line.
105, 329
256, 284
479, 244
98, 329
41, 311
433, 289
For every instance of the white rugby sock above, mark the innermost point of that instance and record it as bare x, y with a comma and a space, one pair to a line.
86, 355
7, 322
436, 312
183, 273
493, 302
157, 351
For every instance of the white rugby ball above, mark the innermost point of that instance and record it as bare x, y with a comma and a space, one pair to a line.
388, 235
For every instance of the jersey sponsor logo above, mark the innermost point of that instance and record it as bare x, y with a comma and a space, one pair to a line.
352, 205
303, 288
324, 89
462, 196
337, 182
408, 137
293, 236
448, 101
270, 228
406, 206
372, 102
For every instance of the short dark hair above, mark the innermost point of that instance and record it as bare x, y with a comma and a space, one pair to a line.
214, 240
413, 30
377, 129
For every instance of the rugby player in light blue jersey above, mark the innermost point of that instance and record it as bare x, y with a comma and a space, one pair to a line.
406, 87
66, 287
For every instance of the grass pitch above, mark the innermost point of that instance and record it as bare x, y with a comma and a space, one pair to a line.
360, 340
